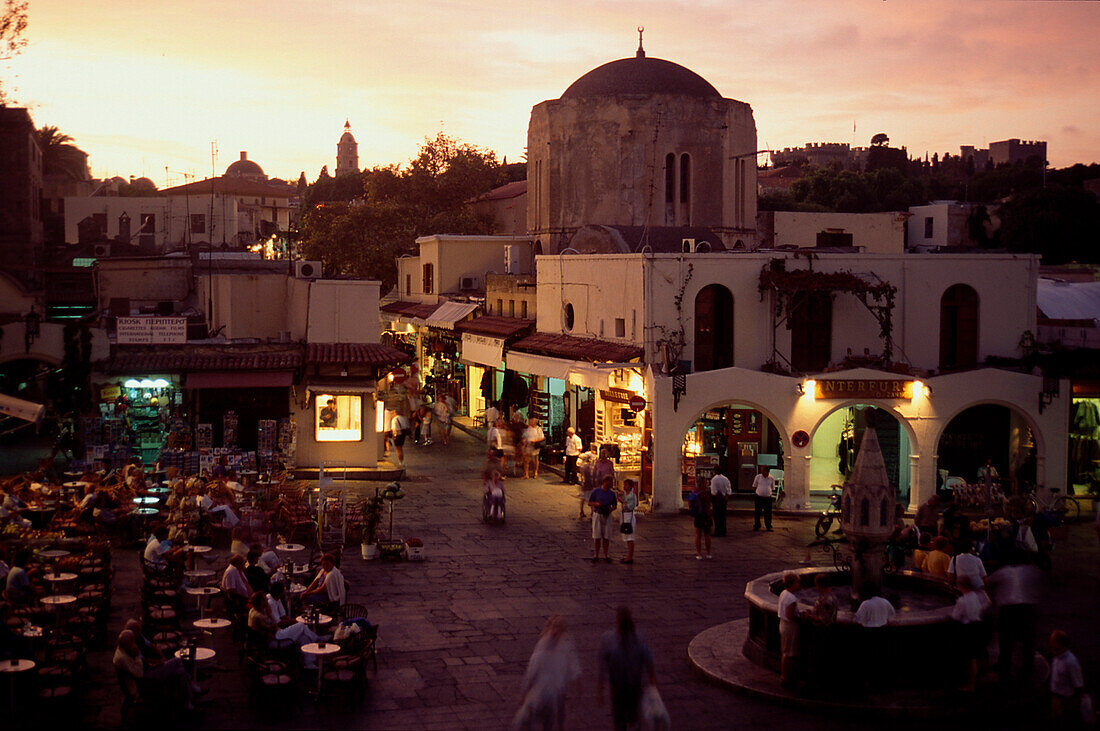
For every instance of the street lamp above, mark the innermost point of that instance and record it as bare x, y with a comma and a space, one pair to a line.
32, 326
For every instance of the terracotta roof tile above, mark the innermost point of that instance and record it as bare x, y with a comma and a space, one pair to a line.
592, 350
409, 309
372, 354
203, 358
495, 326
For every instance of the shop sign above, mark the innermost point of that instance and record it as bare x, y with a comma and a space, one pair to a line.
149, 330
637, 403
483, 350
399, 375
875, 389
619, 395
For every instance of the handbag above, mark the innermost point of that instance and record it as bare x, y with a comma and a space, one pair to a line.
626, 528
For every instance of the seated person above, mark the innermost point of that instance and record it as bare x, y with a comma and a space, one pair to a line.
11, 509
328, 585
17, 589
269, 560
148, 650
920, 554
254, 573
277, 604
874, 611
233, 582
159, 551
135, 671
939, 558
261, 621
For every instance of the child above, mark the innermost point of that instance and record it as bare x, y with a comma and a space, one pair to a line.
970, 610
1066, 680
920, 555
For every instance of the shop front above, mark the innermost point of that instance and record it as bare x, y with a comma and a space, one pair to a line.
133, 418
1084, 438
734, 440
483, 341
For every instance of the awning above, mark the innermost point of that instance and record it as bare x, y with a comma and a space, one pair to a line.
449, 313
334, 389
232, 379
575, 372
482, 350
20, 409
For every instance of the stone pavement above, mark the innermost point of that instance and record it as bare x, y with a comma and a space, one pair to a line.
456, 630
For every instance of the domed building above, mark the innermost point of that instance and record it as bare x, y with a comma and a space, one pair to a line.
245, 168
641, 142
347, 152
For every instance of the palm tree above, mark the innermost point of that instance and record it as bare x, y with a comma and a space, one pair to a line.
59, 155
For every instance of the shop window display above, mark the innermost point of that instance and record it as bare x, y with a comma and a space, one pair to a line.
1084, 444
338, 417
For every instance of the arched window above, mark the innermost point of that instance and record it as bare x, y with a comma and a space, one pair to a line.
865, 512
713, 328
685, 190
959, 328
670, 189
882, 513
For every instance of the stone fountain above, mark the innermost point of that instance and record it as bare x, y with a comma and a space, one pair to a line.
867, 517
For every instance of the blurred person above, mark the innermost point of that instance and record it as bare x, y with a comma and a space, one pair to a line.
530, 446
552, 669
1067, 682
939, 558
788, 629
702, 517
970, 612
573, 448
1015, 588
720, 491
626, 665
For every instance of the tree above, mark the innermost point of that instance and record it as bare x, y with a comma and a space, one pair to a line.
1062, 224
359, 224
59, 155
880, 140
13, 23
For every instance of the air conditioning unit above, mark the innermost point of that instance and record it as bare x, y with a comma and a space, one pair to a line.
466, 283
687, 246
307, 269
101, 250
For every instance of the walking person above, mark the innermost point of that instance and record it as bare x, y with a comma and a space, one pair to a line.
552, 669
531, 444
1067, 683
702, 517
495, 440
626, 665
586, 466
763, 485
573, 448
443, 410
629, 527
1015, 589
399, 430
602, 501
720, 490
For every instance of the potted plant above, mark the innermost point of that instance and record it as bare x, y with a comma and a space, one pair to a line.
371, 510
416, 549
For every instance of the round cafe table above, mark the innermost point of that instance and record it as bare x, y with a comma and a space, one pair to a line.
210, 625
202, 655
200, 576
159, 490
193, 548
322, 619
58, 580
290, 547
146, 500
11, 668
320, 650
201, 593
58, 603
53, 553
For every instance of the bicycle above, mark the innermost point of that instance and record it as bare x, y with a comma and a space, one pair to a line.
1063, 505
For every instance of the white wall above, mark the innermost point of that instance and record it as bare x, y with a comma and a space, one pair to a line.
343, 311
877, 233
172, 224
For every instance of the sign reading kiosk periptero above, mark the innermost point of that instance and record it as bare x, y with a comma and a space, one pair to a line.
837, 388
150, 330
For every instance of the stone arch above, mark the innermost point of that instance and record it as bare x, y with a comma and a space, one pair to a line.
914, 443
780, 426
1032, 423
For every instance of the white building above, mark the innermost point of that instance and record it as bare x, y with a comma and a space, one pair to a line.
156, 223
873, 233
939, 224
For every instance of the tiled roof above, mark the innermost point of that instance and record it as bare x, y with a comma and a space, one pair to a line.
233, 186
168, 359
503, 192
373, 354
592, 350
495, 326
409, 309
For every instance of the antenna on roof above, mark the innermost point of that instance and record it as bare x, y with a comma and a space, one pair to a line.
641, 51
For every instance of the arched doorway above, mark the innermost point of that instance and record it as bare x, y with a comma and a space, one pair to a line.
836, 441
989, 432
713, 328
732, 438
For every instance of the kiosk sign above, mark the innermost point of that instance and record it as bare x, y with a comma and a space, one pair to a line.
150, 330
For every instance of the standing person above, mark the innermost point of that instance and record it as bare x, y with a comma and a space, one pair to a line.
552, 669
625, 665
788, 629
443, 412
425, 415
629, 527
702, 517
573, 448
763, 485
586, 464
927, 518
602, 501
532, 440
604, 468
720, 490
1067, 682
1015, 589
495, 440
399, 429
970, 610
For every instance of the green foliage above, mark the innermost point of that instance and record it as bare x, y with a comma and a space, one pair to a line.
832, 189
13, 23
59, 155
359, 224
1061, 223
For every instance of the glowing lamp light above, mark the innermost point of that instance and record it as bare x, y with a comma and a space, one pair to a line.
160, 383
147, 383
132, 383
920, 390
809, 389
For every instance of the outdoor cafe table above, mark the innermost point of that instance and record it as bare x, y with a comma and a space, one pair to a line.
200, 593
290, 547
320, 650
202, 655
198, 576
211, 624
146, 500
10, 668
314, 624
57, 580
53, 553
159, 490
57, 603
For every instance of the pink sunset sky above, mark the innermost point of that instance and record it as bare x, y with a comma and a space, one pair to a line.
146, 86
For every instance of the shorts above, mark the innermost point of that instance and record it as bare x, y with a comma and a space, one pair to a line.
399, 439
601, 527
703, 522
788, 639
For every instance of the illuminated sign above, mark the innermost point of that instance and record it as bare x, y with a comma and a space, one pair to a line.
150, 330
872, 389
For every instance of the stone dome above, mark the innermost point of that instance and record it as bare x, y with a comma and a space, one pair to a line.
244, 168
640, 76
347, 137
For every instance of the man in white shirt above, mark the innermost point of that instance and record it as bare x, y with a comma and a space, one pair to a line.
159, 550
720, 490
328, 585
969, 566
763, 486
1066, 681
233, 580
970, 611
875, 611
573, 448
399, 429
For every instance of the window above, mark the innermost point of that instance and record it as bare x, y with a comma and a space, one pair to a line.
500, 307
685, 178
568, 317
713, 328
811, 323
523, 309
198, 223
511, 308
148, 229
408, 284
428, 279
620, 327
959, 328
928, 227
338, 418
124, 228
